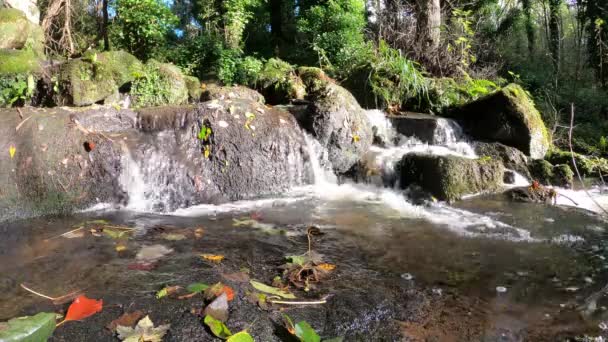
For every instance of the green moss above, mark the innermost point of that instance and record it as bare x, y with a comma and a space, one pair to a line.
541, 171
279, 83
586, 166
444, 93
160, 84
314, 79
18, 32
449, 177
19, 62
524, 104
98, 76
194, 88
562, 175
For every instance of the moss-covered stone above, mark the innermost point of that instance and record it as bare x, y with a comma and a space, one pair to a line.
194, 88
98, 76
19, 62
449, 177
314, 79
160, 84
586, 166
279, 83
17, 32
541, 171
507, 116
563, 176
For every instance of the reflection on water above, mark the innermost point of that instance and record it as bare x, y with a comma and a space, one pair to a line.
365, 238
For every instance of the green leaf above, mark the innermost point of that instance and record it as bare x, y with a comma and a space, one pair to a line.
242, 336
116, 234
197, 287
271, 290
299, 260
306, 333
218, 328
162, 293
28, 329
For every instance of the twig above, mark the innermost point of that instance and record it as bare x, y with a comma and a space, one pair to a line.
571, 200
20, 114
21, 123
286, 302
57, 300
578, 174
66, 233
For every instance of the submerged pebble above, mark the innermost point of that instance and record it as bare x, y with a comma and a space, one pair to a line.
501, 289
407, 276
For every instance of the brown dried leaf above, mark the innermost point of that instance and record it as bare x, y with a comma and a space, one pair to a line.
128, 319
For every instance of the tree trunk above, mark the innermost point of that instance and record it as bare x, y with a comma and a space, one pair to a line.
428, 30
527, 7
106, 38
555, 39
276, 24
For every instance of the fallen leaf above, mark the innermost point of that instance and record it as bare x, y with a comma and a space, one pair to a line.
326, 267
128, 319
167, 291
198, 232
197, 287
11, 151
29, 328
305, 333
229, 292
152, 253
116, 233
217, 289
83, 307
121, 248
212, 257
218, 328
242, 336
271, 290
143, 332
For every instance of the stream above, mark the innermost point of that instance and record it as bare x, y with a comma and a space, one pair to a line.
482, 269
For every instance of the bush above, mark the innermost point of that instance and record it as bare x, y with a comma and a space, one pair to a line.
226, 66
141, 26
16, 89
159, 84
197, 55
444, 93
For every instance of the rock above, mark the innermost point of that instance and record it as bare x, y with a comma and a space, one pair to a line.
218, 309
509, 177
585, 165
194, 88
547, 174
429, 129
161, 84
97, 77
511, 157
252, 151
531, 194
507, 116
337, 121
51, 172
279, 82
18, 32
215, 92
28, 7
19, 62
449, 177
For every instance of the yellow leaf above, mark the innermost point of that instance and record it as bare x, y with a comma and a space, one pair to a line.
356, 138
12, 150
121, 248
212, 257
327, 267
206, 153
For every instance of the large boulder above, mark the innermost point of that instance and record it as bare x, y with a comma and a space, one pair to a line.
52, 163
161, 158
213, 91
28, 7
18, 32
160, 84
279, 83
547, 174
336, 119
511, 157
449, 177
98, 77
220, 151
507, 116
586, 166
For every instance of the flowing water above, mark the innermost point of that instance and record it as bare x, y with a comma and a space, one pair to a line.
484, 269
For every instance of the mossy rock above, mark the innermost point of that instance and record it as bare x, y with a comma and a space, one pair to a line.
194, 88
547, 174
160, 84
449, 178
278, 82
507, 116
18, 32
585, 165
98, 76
19, 62
314, 79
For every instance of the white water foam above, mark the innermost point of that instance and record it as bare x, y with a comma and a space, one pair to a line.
582, 199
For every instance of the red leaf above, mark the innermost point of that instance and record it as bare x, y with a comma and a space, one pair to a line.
229, 292
83, 307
